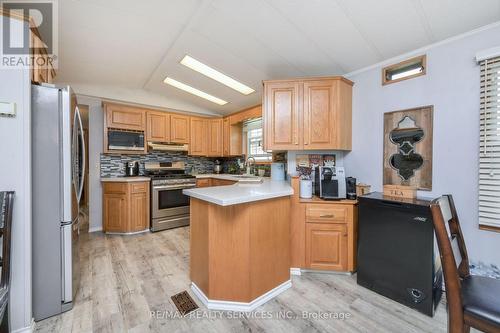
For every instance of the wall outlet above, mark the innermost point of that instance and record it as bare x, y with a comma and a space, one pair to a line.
7, 109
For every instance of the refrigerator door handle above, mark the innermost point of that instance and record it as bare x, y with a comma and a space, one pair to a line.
66, 258
78, 122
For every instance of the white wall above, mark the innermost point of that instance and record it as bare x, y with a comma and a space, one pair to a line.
96, 130
452, 86
15, 175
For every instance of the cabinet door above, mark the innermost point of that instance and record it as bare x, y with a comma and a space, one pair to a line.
226, 137
115, 212
215, 138
326, 246
282, 123
179, 128
125, 117
158, 126
320, 123
198, 145
139, 211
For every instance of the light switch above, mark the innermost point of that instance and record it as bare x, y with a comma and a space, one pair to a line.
7, 109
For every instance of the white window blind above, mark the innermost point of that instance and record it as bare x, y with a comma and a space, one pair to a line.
489, 144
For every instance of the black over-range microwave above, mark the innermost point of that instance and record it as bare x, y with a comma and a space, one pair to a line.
125, 140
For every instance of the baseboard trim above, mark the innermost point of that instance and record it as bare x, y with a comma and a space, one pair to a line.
128, 233
295, 271
239, 306
95, 229
325, 272
27, 329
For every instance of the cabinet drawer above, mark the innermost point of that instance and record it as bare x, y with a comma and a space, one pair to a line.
325, 213
115, 188
139, 187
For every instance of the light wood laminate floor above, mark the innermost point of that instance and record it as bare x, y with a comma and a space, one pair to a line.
124, 278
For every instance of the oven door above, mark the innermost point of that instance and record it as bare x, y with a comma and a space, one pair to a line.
168, 200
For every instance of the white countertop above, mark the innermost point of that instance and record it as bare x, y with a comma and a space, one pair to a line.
125, 179
241, 193
225, 176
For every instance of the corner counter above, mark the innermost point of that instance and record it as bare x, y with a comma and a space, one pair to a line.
240, 244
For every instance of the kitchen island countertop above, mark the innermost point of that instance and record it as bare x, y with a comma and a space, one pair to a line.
241, 193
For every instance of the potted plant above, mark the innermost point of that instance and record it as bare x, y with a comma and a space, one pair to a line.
305, 182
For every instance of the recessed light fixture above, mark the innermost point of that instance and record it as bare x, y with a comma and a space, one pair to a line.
194, 91
216, 75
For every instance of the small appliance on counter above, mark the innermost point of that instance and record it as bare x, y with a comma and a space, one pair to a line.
217, 167
397, 252
131, 168
278, 171
330, 182
350, 183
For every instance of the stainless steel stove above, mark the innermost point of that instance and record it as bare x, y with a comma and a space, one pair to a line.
169, 207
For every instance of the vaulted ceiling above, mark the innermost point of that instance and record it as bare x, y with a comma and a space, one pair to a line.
127, 47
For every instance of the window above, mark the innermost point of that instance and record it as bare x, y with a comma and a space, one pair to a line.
489, 145
404, 70
254, 145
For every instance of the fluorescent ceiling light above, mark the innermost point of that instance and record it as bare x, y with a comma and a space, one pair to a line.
194, 91
216, 75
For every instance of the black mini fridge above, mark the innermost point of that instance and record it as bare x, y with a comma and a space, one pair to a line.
397, 252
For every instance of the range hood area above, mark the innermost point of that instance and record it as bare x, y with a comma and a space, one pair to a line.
162, 146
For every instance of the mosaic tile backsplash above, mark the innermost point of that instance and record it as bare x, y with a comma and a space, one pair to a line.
114, 165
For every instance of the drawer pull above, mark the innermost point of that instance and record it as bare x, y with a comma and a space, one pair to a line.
327, 216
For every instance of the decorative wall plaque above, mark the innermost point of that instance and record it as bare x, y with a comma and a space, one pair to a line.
408, 148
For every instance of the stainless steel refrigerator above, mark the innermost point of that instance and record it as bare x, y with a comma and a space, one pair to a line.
58, 162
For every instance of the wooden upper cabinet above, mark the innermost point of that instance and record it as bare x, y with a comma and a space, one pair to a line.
326, 246
215, 137
281, 115
158, 126
179, 128
308, 114
125, 117
226, 139
319, 114
241, 116
327, 114
199, 136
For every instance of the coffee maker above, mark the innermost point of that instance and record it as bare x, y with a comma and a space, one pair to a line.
330, 182
131, 168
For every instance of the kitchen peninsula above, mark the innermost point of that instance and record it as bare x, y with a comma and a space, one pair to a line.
240, 244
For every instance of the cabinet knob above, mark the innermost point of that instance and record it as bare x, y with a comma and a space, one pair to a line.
329, 216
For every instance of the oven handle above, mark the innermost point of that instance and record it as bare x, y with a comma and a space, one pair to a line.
173, 187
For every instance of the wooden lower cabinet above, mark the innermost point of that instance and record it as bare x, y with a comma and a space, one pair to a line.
326, 246
207, 182
114, 212
125, 207
222, 182
323, 234
204, 182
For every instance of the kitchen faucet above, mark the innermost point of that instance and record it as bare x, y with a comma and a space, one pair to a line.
250, 168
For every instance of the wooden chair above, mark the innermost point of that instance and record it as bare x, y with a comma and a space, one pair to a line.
473, 301
6, 205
